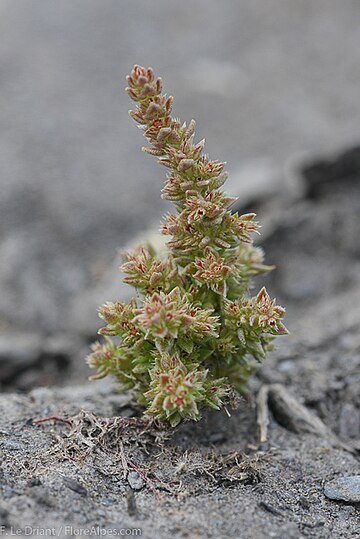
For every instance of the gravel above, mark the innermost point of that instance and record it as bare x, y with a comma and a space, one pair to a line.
346, 489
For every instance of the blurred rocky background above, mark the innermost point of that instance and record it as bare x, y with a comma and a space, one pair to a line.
274, 87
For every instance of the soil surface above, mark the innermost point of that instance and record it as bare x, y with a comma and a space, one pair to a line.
97, 466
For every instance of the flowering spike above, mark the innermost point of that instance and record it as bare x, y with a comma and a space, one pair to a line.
190, 338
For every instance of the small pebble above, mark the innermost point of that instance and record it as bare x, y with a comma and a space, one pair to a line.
10, 445
34, 482
131, 503
42, 496
4, 514
8, 492
346, 489
217, 437
349, 421
75, 486
135, 481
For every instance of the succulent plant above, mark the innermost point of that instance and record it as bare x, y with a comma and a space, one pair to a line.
196, 334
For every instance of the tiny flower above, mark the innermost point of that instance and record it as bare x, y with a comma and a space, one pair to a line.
171, 226
145, 272
173, 189
227, 346
212, 271
210, 168
164, 316
199, 207
109, 358
118, 317
258, 313
177, 394
242, 226
268, 315
101, 357
185, 164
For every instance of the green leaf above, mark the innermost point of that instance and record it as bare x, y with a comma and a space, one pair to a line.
186, 344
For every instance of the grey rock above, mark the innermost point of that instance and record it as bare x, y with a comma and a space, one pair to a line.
83, 318
12, 445
305, 279
75, 486
8, 492
39, 271
34, 482
317, 175
255, 180
4, 514
26, 357
346, 489
135, 480
18, 353
292, 414
349, 421
42, 496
